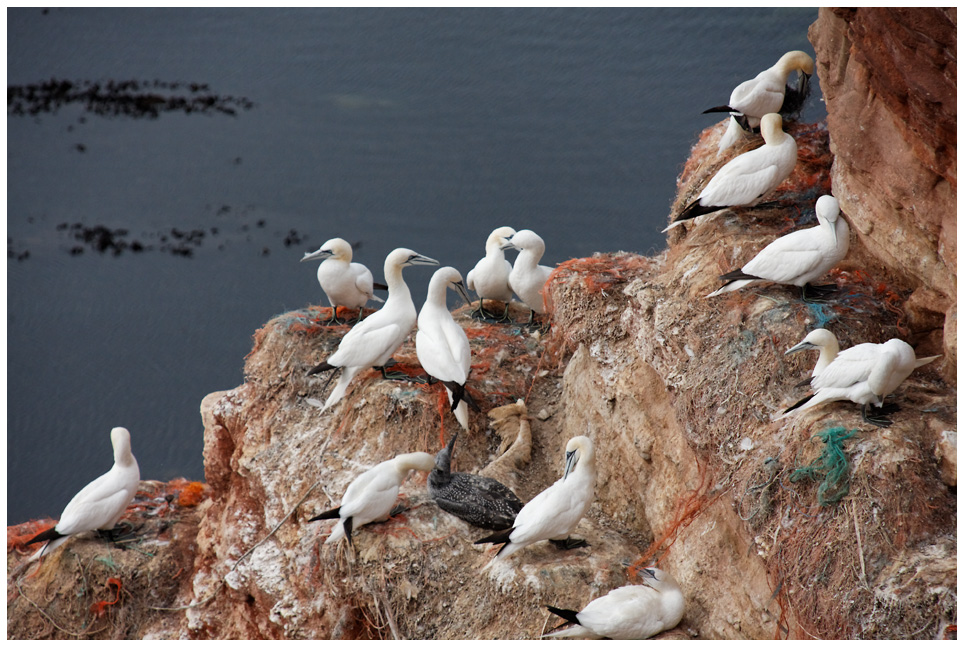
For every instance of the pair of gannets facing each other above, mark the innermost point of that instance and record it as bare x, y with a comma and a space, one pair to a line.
345, 283
101, 503
768, 92
371, 342
442, 345
750, 176
372, 495
554, 513
798, 258
863, 374
480, 501
489, 279
528, 278
629, 612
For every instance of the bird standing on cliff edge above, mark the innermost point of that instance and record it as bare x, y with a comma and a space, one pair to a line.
528, 278
442, 345
750, 176
766, 93
555, 512
490, 278
344, 283
101, 503
798, 258
372, 494
372, 341
629, 612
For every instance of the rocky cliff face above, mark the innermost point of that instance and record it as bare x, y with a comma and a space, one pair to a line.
678, 393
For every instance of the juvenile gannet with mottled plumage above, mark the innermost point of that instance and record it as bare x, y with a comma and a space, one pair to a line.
750, 176
345, 283
798, 258
528, 278
863, 374
101, 503
629, 612
480, 501
372, 341
824, 341
442, 345
372, 494
554, 513
490, 278
768, 92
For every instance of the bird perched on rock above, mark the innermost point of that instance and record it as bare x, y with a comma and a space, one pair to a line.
750, 176
798, 258
490, 278
629, 612
480, 501
371, 496
101, 503
528, 278
372, 341
555, 512
345, 283
442, 345
824, 341
768, 92
863, 374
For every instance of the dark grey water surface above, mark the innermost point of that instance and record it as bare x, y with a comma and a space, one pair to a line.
418, 128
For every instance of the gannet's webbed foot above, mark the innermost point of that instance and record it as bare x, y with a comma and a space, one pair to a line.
818, 294
569, 543
878, 419
400, 375
400, 507
120, 533
479, 312
333, 320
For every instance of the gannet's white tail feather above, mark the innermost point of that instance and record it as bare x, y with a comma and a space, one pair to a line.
341, 386
921, 362
729, 287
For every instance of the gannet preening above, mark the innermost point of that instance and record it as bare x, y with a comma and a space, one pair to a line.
345, 283
863, 374
99, 504
372, 341
628, 612
554, 513
372, 494
480, 501
768, 92
750, 176
490, 278
442, 345
528, 278
798, 258
824, 341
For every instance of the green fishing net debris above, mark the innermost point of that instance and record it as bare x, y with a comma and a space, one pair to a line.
831, 467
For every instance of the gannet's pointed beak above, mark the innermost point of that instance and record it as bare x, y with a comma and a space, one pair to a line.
508, 244
460, 288
418, 259
571, 460
320, 253
802, 346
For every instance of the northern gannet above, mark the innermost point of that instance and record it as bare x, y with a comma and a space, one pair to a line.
345, 283
372, 494
798, 258
768, 92
480, 501
99, 504
750, 176
554, 513
824, 341
629, 612
442, 345
863, 374
372, 341
528, 278
490, 278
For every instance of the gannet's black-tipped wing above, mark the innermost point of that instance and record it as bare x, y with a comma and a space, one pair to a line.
569, 615
327, 515
43, 536
718, 109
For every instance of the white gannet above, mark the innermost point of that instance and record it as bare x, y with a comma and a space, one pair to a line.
490, 278
442, 345
528, 278
372, 494
823, 340
99, 504
628, 612
863, 374
768, 92
345, 283
750, 176
372, 341
798, 258
554, 513
480, 501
